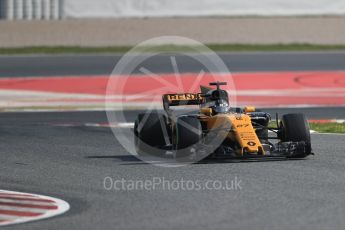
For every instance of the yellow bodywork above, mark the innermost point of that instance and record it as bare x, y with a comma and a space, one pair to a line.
241, 131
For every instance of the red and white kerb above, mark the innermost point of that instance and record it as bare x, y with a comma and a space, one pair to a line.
17, 207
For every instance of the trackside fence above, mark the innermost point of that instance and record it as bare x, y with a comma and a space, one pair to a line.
31, 9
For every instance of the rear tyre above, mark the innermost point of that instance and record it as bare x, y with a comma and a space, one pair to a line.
150, 130
295, 127
188, 135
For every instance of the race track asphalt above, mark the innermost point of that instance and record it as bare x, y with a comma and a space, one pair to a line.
71, 162
54, 154
65, 65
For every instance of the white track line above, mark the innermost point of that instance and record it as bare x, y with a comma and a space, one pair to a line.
21, 209
26, 202
27, 100
7, 217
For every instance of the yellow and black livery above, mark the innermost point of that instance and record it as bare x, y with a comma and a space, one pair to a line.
227, 131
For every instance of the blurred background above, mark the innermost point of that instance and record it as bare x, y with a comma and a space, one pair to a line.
127, 22
293, 48
274, 41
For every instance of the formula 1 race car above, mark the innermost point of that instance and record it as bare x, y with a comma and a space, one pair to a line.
216, 130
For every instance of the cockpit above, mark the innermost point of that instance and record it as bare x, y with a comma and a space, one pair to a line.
217, 99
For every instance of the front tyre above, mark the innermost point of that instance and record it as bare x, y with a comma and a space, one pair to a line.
151, 134
188, 135
295, 128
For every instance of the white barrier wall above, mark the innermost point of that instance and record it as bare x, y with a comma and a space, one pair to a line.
163, 8
55, 9
31, 9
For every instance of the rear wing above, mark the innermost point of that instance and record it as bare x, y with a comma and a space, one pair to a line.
182, 99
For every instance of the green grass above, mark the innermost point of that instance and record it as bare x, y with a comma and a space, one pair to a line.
170, 48
331, 127
63, 50
275, 47
328, 127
